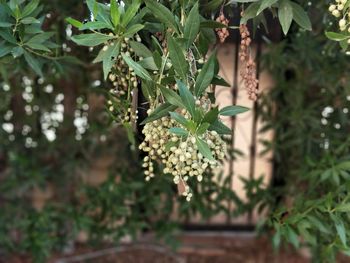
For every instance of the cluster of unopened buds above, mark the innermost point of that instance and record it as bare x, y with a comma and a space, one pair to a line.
248, 70
122, 76
340, 9
222, 33
179, 155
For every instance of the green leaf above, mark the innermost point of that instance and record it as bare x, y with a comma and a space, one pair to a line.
17, 52
250, 12
93, 7
300, 16
220, 128
40, 38
33, 63
211, 116
94, 25
218, 80
343, 207
91, 40
339, 225
178, 131
162, 13
139, 70
232, 110
74, 22
336, 36
192, 26
130, 13
285, 15
177, 58
187, 98
4, 33
161, 111
5, 24
4, 50
202, 128
172, 97
265, 4
204, 149
148, 63
132, 30
179, 118
38, 46
140, 49
205, 77
292, 237
110, 55
30, 8
30, 20
115, 14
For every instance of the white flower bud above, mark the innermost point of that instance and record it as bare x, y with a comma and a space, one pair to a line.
342, 23
332, 8
336, 13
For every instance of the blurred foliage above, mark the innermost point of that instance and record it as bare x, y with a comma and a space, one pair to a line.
308, 110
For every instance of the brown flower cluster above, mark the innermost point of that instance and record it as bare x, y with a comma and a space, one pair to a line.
222, 32
248, 71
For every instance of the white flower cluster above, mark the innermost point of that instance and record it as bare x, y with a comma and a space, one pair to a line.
340, 9
179, 155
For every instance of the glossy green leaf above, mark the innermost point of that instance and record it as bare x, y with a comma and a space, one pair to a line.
74, 22
130, 12
179, 118
33, 63
220, 128
139, 70
178, 131
204, 149
205, 77
140, 49
172, 97
192, 26
115, 14
30, 8
162, 13
300, 16
232, 110
186, 98
92, 39
285, 15
265, 4
176, 54
162, 111
132, 30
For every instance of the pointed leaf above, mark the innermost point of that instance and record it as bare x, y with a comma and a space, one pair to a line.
161, 111
172, 97
232, 110
205, 77
285, 15
192, 26
186, 97
162, 13
92, 39
139, 70
178, 58
204, 149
